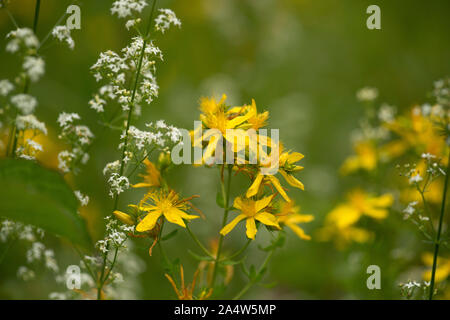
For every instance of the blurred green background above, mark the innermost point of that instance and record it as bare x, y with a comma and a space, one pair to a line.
303, 61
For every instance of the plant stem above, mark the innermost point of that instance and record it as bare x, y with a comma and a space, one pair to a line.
252, 282
226, 198
37, 9
237, 253
122, 163
438, 234
197, 241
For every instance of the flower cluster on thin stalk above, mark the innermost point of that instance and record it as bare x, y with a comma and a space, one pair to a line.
128, 84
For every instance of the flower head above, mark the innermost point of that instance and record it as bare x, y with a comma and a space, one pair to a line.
152, 177
250, 211
163, 203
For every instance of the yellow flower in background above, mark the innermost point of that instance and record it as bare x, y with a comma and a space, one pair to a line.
163, 203
152, 177
286, 166
290, 216
417, 132
340, 222
250, 211
342, 237
187, 293
442, 268
360, 203
364, 159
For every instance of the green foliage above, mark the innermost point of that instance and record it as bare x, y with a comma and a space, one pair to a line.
35, 195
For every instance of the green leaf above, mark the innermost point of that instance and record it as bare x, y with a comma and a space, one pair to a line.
219, 200
34, 195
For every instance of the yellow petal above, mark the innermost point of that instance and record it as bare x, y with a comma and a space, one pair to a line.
294, 157
292, 180
251, 228
343, 216
141, 185
184, 215
173, 216
298, 231
264, 202
253, 190
148, 223
268, 219
300, 218
125, 218
277, 185
232, 224
238, 203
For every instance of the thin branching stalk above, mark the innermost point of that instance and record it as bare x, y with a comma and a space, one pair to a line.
197, 241
439, 230
226, 199
103, 278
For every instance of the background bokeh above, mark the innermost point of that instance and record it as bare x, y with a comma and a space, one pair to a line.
303, 61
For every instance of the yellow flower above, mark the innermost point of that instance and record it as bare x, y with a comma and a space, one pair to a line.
442, 268
365, 158
164, 203
343, 236
359, 203
416, 132
290, 216
286, 166
218, 116
152, 177
250, 211
187, 293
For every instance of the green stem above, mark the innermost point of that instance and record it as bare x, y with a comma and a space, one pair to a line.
130, 112
197, 241
226, 197
237, 253
438, 235
252, 282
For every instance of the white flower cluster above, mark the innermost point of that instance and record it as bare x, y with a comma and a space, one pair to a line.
39, 253
62, 33
117, 70
79, 138
116, 235
84, 199
367, 94
22, 39
25, 42
15, 230
34, 67
24, 103
126, 8
165, 19
30, 122
5, 87
117, 184
442, 91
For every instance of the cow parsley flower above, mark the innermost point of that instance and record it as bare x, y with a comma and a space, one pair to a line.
367, 94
